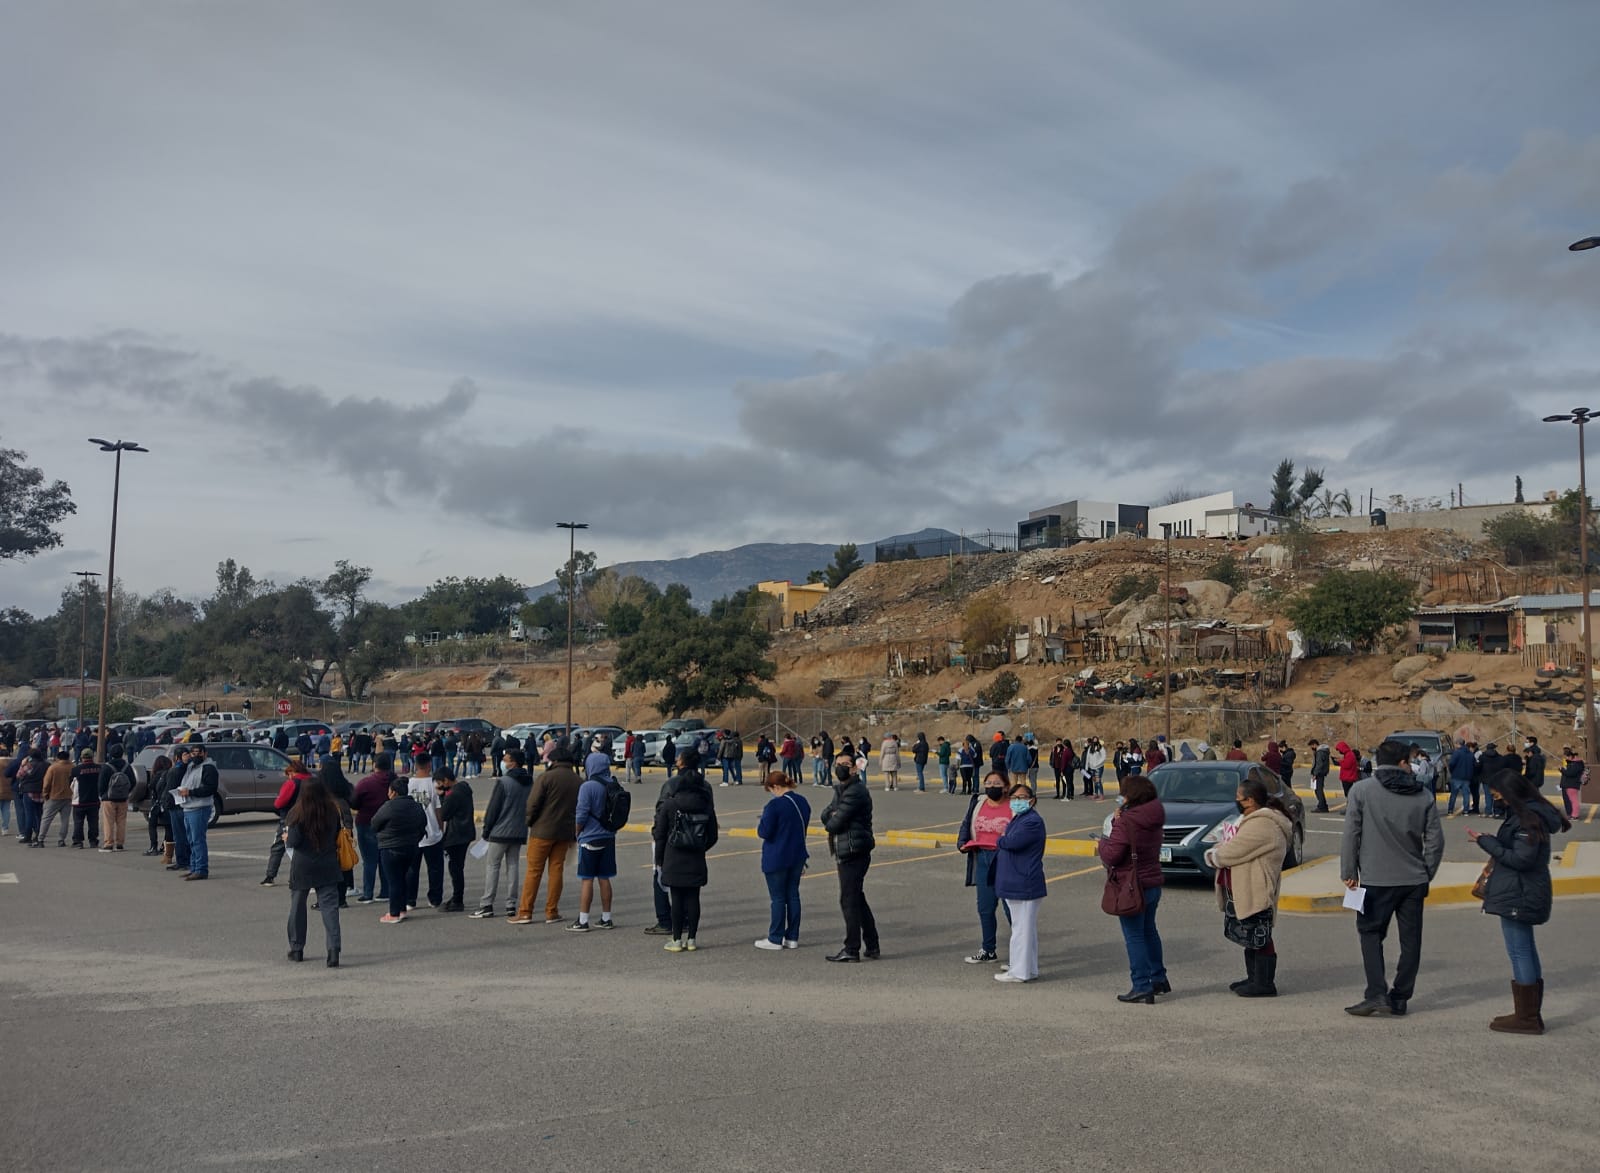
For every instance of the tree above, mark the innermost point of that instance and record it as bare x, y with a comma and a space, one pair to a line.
986, 625
1524, 538
1518, 497
1283, 489
236, 586
1135, 586
704, 662
844, 564
473, 606
30, 509
582, 568
279, 639
372, 641
344, 586
1354, 606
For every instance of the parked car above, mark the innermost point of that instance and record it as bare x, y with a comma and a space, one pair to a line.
1199, 801
682, 725
295, 728
1436, 745
654, 739
466, 725
166, 716
218, 720
248, 776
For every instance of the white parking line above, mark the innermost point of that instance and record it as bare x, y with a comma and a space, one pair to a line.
8, 877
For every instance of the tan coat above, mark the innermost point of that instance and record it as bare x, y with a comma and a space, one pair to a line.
1255, 856
5, 783
57, 782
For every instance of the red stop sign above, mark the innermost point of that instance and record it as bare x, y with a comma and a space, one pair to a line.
424, 707
283, 708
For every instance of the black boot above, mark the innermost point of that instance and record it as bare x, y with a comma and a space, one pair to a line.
1264, 985
1249, 972
333, 959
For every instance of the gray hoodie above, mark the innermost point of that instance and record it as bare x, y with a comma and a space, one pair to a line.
1392, 837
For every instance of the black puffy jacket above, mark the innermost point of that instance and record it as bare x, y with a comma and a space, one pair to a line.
684, 867
848, 820
1519, 886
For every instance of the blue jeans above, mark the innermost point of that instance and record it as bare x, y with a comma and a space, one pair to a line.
727, 768
663, 900
736, 765
1146, 967
783, 888
1524, 954
982, 866
367, 844
194, 824
944, 778
922, 768
27, 816
1458, 789
180, 840
5, 814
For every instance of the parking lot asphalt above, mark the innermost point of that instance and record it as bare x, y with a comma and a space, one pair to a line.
156, 1024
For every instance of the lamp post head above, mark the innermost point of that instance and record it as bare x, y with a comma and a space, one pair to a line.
1578, 415
1584, 245
118, 446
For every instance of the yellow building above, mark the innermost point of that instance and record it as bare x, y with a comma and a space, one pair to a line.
794, 599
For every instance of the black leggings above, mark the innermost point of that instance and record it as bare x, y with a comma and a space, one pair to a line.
685, 912
456, 861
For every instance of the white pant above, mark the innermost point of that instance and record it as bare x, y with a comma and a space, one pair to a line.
1023, 956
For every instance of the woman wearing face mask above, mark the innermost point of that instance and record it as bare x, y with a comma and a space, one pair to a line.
1249, 866
1136, 831
988, 816
1019, 881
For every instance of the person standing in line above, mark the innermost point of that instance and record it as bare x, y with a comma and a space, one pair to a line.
1520, 893
177, 857
343, 793
1032, 743
399, 827
1480, 785
685, 830
1573, 769
635, 758
1273, 759
1349, 770
941, 753
86, 804
1019, 881
552, 813
1320, 765
459, 830
1135, 840
889, 760
725, 755
295, 775
597, 849
782, 831
1155, 752
988, 815
1461, 764
1094, 768
967, 759
116, 782
1017, 758
370, 795
56, 792
1249, 866
144, 794
1236, 752
825, 774
430, 849
919, 759
312, 837
497, 750
1287, 754
999, 748
848, 822
685, 764
197, 792
8, 758
1392, 846
1533, 762
505, 826
1060, 769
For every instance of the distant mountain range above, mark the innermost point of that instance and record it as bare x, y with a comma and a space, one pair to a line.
719, 573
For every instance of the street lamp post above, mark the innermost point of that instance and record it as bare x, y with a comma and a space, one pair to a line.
572, 528
119, 447
1581, 416
83, 636
1166, 643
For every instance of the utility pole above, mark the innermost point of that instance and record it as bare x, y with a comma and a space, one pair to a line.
1166, 684
83, 638
119, 447
1581, 416
572, 528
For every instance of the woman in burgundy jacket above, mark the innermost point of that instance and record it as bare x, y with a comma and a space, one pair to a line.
1136, 832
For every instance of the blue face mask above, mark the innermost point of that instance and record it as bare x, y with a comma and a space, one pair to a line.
1019, 806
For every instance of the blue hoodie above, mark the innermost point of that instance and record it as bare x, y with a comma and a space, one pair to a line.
1017, 758
592, 801
1462, 763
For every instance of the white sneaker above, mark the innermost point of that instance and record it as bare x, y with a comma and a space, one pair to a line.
725, 784
788, 944
766, 944
1008, 976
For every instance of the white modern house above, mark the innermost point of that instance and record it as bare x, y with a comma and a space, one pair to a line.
1219, 515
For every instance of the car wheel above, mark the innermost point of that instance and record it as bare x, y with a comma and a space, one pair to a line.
1297, 849
216, 811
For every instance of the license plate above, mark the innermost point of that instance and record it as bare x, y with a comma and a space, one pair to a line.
1166, 855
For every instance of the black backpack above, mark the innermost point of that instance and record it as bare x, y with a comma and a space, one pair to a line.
120, 786
691, 831
618, 804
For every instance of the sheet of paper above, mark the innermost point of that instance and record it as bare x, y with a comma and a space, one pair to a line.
478, 848
1355, 899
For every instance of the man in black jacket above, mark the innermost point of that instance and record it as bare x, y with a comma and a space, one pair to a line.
848, 821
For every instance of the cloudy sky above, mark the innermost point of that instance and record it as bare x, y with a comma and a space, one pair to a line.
407, 283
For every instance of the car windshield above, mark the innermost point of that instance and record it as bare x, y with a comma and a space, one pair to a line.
1195, 785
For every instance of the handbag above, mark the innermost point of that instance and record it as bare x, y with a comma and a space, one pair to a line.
1123, 896
1253, 932
1480, 887
348, 856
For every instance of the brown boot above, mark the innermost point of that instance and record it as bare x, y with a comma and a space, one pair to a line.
1524, 1018
166, 856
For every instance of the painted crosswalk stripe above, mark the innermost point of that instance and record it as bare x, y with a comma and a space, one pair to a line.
8, 877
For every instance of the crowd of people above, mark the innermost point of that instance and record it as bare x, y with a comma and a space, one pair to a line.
395, 826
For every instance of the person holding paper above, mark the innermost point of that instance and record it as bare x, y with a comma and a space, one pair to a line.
1249, 865
1392, 846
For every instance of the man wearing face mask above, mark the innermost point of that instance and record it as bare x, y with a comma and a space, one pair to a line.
848, 821
988, 815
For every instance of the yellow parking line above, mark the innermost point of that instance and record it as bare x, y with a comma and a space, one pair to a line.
891, 863
1069, 875
1593, 810
1074, 831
